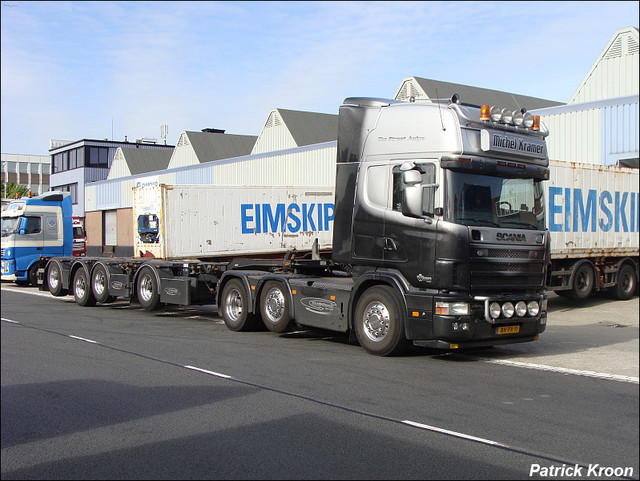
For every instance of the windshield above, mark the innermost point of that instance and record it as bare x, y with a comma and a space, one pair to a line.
9, 225
78, 232
483, 200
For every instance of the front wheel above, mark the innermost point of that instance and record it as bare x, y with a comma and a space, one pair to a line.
82, 289
148, 290
274, 307
378, 322
234, 307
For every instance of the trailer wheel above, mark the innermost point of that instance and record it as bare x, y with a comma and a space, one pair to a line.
100, 286
627, 283
148, 293
54, 280
274, 307
82, 289
583, 282
378, 322
234, 307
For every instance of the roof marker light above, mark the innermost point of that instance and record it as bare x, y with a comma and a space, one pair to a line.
536, 122
485, 113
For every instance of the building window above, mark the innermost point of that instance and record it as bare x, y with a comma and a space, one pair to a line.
73, 155
72, 188
97, 157
33, 168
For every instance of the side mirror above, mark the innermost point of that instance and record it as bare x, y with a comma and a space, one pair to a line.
412, 193
412, 201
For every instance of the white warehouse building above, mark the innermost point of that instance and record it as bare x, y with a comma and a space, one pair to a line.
599, 125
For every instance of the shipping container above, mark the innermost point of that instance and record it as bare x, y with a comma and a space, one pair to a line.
204, 221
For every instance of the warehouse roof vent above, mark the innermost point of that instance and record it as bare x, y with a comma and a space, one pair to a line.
213, 131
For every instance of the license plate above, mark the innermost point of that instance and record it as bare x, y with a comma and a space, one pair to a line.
508, 330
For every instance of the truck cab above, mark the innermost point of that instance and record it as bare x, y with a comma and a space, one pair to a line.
79, 238
34, 228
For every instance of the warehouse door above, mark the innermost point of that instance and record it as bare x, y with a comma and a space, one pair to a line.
110, 229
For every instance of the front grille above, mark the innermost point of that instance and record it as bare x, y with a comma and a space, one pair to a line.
507, 268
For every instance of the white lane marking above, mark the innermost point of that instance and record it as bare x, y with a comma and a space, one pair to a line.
83, 339
211, 373
562, 370
455, 434
525, 365
9, 320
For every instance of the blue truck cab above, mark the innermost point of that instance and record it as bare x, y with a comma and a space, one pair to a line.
34, 229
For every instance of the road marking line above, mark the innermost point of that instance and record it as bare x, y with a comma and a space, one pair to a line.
83, 339
455, 434
562, 370
9, 320
211, 373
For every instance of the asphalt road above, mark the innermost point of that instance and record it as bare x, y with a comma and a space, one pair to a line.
114, 392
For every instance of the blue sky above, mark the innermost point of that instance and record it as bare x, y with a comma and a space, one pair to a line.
73, 70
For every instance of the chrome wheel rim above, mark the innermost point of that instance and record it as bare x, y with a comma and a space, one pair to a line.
146, 288
376, 321
233, 305
99, 283
274, 305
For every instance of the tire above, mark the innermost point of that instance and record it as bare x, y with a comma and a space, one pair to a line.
627, 283
274, 307
147, 290
378, 322
33, 274
54, 280
583, 282
100, 285
234, 307
82, 292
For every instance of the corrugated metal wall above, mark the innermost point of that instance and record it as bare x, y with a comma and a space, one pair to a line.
615, 73
183, 154
274, 136
601, 132
301, 166
119, 167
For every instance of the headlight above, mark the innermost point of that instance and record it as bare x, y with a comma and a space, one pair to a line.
508, 310
452, 308
521, 309
533, 308
494, 310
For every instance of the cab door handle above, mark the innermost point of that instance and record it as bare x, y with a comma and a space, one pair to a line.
390, 244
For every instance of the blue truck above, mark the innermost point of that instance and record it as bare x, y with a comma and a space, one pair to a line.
35, 229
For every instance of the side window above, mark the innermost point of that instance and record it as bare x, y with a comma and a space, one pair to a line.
33, 225
428, 172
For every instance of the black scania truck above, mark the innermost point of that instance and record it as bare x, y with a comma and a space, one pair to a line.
439, 234
438, 239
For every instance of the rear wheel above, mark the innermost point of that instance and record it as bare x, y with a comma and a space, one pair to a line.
82, 289
627, 283
147, 289
583, 282
378, 322
274, 307
54, 280
234, 307
100, 285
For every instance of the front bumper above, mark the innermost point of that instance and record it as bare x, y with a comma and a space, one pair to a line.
477, 328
